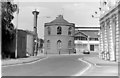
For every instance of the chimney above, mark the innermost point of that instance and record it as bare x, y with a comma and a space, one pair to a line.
35, 13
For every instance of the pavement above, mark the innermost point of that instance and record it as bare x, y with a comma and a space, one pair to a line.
101, 67
9, 62
98, 61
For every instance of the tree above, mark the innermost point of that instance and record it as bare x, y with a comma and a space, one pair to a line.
8, 31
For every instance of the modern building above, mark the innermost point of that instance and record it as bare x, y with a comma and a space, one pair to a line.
110, 33
59, 36
86, 38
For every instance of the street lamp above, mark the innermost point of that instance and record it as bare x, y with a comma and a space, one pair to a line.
88, 43
35, 13
16, 35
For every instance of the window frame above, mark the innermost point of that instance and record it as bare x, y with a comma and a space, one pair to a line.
48, 30
70, 31
48, 44
59, 30
59, 44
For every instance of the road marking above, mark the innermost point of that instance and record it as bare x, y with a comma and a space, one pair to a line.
97, 65
81, 72
25, 63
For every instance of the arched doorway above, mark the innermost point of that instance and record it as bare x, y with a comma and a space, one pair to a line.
59, 43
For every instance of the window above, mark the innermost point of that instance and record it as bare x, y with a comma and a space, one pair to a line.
59, 44
91, 47
96, 39
93, 39
59, 30
69, 30
69, 44
75, 38
80, 38
83, 38
48, 44
49, 30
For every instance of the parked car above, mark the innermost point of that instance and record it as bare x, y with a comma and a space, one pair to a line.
86, 52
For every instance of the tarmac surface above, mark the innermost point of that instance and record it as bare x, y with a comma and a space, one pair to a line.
60, 65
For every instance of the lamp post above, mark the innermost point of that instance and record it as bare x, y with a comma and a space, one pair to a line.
35, 13
16, 35
88, 43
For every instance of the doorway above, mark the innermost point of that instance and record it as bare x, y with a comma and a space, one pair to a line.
91, 47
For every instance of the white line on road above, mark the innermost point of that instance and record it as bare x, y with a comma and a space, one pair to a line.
25, 63
81, 72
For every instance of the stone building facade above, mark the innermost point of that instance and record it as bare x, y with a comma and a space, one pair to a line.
59, 36
110, 34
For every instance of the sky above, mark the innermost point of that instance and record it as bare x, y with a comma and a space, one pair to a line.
78, 12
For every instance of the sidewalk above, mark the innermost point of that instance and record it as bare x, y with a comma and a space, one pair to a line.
9, 62
101, 67
99, 61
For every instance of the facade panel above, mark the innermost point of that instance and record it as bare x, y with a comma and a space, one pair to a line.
109, 37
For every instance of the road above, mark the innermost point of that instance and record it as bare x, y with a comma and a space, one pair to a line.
63, 65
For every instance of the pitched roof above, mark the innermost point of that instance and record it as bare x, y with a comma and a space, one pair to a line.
90, 33
79, 33
60, 21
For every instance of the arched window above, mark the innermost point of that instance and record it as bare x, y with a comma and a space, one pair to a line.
69, 30
48, 44
59, 44
69, 44
49, 30
59, 30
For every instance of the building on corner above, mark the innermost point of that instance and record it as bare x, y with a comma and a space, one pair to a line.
59, 36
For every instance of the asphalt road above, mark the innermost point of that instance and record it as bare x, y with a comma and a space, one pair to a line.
63, 65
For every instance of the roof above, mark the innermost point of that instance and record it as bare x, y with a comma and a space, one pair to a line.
59, 21
27, 31
90, 33
79, 33
30, 32
87, 28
